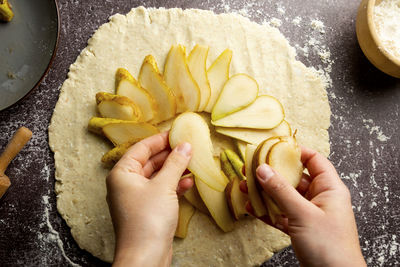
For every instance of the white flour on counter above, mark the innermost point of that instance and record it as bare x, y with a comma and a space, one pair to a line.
387, 24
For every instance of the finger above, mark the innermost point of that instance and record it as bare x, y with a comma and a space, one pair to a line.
184, 185
282, 223
174, 166
316, 163
243, 187
138, 154
304, 184
285, 195
155, 163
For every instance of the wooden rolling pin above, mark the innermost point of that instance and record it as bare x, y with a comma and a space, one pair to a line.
20, 138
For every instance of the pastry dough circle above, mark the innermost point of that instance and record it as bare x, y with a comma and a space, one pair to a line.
258, 50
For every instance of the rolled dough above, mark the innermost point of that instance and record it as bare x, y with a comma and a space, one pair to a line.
258, 50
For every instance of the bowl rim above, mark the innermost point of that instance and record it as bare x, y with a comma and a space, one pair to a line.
374, 33
55, 48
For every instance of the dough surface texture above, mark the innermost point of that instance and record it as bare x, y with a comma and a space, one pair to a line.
258, 50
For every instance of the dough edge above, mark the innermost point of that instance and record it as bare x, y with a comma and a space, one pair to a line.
77, 158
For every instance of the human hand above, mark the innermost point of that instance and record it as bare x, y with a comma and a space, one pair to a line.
142, 194
318, 216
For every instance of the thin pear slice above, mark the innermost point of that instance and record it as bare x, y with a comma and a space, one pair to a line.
127, 86
236, 163
180, 80
241, 148
238, 92
254, 196
217, 205
266, 112
186, 211
193, 196
191, 127
117, 107
273, 209
260, 157
285, 158
151, 79
96, 124
261, 153
217, 75
123, 132
226, 166
114, 155
197, 65
236, 199
255, 136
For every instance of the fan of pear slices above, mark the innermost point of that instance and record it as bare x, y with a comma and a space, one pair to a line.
256, 123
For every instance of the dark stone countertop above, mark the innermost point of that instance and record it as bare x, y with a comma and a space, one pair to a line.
364, 133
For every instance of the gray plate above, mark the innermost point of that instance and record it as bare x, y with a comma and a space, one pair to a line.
27, 47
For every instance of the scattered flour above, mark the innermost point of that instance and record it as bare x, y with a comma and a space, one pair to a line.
386, 20
296, 21
374, 129
275, 22
53, 236
281, 10
318, 25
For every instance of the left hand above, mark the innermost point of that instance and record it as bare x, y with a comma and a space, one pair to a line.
142, 194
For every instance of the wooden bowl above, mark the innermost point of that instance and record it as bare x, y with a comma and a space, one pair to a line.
369, 40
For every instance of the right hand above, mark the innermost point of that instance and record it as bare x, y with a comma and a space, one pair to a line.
318, 216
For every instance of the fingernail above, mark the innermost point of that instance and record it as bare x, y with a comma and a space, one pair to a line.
185, 149
264, 172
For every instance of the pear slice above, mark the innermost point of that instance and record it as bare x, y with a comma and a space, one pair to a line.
261, 153
197, 65
180, 80
114, 155
216, 204
217, 75
266, 112
285, 158
253, 194
259, 157
255, 136
236, 199
151, 79
241, 148
126, 131
273, 209
186, 212
236, 163
191, 127
127, 86
6, 13
238, 92
193, 196
226, 166
283, 155
117, 107
97, 124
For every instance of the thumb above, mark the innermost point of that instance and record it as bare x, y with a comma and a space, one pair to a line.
292, 204
174, 166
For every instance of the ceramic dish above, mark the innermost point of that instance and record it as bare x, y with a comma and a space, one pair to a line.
27, 48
